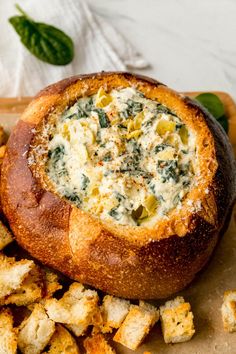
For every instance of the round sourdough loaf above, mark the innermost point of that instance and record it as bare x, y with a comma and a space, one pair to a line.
128, 259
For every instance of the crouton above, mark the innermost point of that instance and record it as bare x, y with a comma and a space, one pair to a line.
12, 274
30, 290
96, 321
76, 307
35, 332
8, 334
177, 321
62, 342
228, 311
97, 345
136, 325
51, 283
114, 311
78, 330
5, 236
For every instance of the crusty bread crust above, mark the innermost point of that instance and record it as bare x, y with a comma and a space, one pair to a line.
125, 261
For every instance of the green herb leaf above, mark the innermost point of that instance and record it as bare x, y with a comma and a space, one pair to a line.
103, 119
212, 103
46, 42
224, 123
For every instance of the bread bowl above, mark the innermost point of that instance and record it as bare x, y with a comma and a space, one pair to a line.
144, 247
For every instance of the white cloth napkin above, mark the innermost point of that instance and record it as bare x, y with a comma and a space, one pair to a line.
98, 46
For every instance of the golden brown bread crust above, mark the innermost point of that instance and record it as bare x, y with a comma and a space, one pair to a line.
125, 261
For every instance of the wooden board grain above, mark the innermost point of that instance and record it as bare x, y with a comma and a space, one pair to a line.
206, 293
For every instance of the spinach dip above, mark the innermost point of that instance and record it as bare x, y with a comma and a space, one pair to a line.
122, 157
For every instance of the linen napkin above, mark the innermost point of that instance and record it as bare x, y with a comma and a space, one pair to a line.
98, 46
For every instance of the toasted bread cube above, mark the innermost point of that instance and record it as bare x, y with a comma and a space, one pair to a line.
62, 342
35, 332
228, 311
114, 311
8, 335
97, 345
5, 236
177, 321
78, 330
96, 320
12, 274
76, 307
136, 325
30, 290
51, 283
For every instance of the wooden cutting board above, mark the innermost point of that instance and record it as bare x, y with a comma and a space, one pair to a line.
206, 292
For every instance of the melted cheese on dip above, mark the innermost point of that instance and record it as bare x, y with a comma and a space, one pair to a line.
122, 157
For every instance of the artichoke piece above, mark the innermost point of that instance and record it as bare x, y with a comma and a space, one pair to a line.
138, 120
134, 135
103, 99
140, 213
151, 204
183, 133
165, 126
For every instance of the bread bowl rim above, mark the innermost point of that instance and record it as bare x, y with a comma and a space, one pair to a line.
178, 220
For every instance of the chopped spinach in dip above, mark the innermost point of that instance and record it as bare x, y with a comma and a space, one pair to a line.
122, 157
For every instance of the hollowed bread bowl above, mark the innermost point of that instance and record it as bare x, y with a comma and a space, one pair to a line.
93, 236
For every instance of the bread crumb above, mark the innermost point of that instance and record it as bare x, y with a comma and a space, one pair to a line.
228, 311
62, 342
136, 325
8, 334
114, 310
177, 321
35, 332
97, 345
12, 274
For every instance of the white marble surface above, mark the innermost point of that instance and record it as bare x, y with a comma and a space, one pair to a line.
190, 44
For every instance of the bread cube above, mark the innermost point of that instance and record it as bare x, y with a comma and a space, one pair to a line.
114, 311
78, 330
76, 307
29, 291
51, 282
228, 311
8, 334
5, 236
12, 274
136, 325
35, 332
177, 321
97, 345
62, 342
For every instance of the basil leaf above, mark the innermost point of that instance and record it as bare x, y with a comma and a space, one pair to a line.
214, 105
46, 42
224, 123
